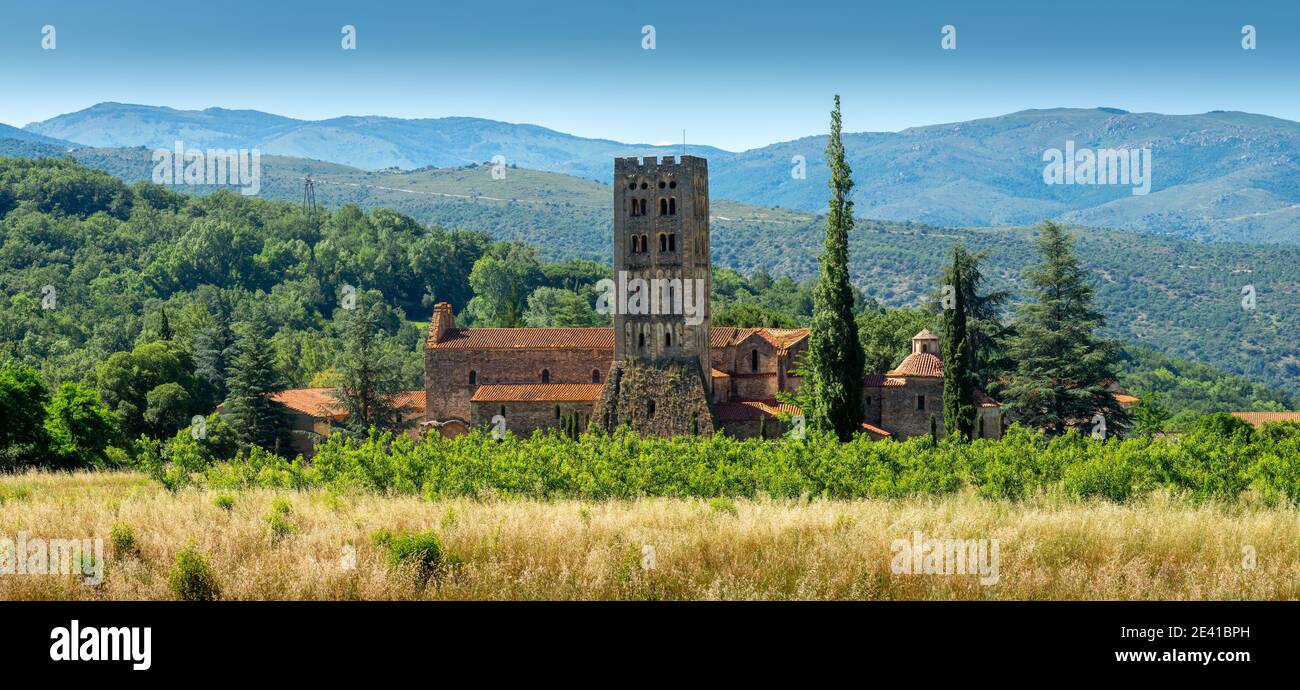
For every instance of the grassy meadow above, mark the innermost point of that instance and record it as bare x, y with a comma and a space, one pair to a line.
266, 543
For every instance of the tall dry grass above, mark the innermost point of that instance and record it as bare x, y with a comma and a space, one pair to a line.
1159, 548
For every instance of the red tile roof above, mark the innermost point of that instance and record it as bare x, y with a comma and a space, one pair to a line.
1260, 418
526, 339
592, 338
876, 430
538, 392
320, 402
781, 338
919, 364
880, 380
753, 410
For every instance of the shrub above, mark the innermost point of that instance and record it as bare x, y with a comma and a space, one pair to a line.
421, 551
225, 502
723, 505
278, 520
192, 579
123, 540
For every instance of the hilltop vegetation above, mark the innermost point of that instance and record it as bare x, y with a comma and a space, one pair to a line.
1179, 297
135, 293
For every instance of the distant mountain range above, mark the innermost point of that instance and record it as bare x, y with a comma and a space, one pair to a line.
1215, 176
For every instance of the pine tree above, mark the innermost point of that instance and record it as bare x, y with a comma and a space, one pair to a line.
214, 348
369, 372
1063, 369
958, 357
834, 361
252, 380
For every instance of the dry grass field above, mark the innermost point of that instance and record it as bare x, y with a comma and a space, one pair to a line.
1157, 548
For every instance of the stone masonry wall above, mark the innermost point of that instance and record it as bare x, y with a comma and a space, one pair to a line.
660, 401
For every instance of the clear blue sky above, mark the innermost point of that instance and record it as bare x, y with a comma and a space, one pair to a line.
733, 74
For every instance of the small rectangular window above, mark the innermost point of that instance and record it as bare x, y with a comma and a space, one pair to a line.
920, 402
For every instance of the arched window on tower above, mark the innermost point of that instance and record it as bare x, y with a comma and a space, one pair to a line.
634, 244
595, 376
672, 206
473, 377
672, 241
663, 242
642, 207
753, 360
663, 206
634, 213
645, 243
546, 376
640, 340
668, 338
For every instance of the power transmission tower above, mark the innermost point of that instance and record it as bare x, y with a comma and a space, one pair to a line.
308, 194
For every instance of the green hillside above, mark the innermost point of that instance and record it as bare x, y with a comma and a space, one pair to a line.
1177, 296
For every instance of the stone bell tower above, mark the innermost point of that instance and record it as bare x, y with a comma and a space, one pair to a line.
659, 382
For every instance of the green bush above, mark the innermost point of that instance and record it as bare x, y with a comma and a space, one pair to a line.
192, 579
420, 551
122, 539
723, 505
225, 502
278, 519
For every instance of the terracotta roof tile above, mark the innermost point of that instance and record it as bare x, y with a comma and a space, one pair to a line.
527, 339
752, 410
919, 364
876, 430
1260, 418
880, 380
538, 392
781, 338
320, 402
592, 338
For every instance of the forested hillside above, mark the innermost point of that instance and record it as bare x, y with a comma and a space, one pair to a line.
97, 273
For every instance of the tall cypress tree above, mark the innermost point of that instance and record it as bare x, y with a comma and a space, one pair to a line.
986, 334
1063, 369
958, 358
252, 380
835, 359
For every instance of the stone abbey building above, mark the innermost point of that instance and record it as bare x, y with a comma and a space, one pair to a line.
661, 369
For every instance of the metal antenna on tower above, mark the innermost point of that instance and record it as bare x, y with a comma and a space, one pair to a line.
308, 194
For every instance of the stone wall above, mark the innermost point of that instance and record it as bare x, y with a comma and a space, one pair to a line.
898, 412
523, 418
446, 373
668, 400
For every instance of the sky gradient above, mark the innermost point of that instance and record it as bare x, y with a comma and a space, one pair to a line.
734, 75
